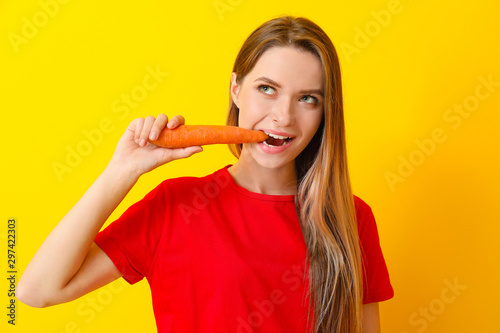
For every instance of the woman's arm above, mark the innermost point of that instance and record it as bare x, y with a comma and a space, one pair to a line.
371, 318
69, 264
51, 276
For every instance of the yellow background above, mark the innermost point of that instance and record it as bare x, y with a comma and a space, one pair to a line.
402, 74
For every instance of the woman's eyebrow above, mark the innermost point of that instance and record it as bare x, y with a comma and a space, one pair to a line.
268, 80
276, 84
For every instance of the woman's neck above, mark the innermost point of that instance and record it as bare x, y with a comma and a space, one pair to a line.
259, 179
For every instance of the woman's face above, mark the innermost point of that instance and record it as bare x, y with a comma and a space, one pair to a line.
283, 96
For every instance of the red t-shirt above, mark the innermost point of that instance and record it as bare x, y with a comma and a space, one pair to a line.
219, 258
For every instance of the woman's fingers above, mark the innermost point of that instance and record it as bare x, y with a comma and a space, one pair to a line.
151, 127
133, 150
158, 126
185, 152
176, 121
146, 129
138, 125
162, 121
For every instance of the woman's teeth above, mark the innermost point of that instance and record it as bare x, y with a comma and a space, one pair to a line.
276, 136
275, 140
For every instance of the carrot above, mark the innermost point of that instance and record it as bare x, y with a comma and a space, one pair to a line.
199, 135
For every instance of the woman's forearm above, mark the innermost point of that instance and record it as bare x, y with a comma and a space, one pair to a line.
62, 253
56, 274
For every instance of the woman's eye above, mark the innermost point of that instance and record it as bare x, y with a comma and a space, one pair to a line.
309, 99
266, 89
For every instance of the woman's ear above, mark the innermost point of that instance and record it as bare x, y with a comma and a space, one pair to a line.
235, 89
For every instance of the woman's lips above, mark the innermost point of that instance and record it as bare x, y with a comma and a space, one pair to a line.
274, 149
276, 133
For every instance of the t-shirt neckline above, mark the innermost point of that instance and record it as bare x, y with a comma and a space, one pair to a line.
255, 195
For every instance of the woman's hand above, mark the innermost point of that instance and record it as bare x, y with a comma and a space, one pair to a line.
134, 152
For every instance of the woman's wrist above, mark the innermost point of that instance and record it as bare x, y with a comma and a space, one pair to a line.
122, 173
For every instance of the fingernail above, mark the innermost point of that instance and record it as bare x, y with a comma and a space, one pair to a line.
153, 136
143, 142
171, 124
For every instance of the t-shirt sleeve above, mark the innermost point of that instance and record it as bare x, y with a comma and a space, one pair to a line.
376, 283
131, 241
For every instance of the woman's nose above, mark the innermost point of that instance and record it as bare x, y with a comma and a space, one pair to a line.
283, 113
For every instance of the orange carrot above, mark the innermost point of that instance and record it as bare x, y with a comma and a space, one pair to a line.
199, 135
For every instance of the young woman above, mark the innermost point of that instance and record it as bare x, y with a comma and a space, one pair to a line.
276, 242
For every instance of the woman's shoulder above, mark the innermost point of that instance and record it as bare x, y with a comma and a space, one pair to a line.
364, 215
361, 206
182, 184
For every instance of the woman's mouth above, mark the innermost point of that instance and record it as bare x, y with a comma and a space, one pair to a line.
275, 140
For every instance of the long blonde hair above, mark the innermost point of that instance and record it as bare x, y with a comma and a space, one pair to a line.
324, 200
